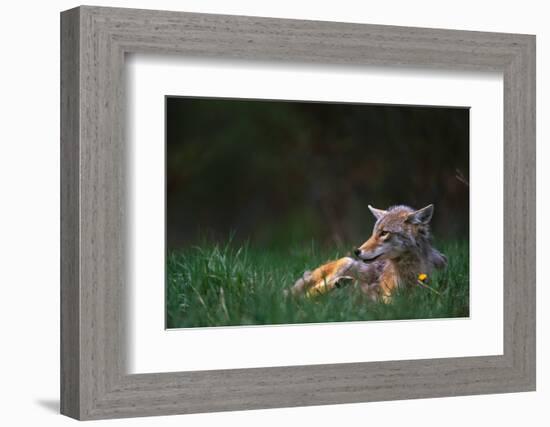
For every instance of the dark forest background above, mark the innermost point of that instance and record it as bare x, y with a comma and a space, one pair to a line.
279, 173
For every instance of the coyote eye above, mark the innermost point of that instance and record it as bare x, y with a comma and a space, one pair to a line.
384, 233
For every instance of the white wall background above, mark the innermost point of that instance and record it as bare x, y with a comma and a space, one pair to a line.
29, 212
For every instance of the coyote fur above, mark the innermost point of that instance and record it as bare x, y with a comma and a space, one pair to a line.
397, 252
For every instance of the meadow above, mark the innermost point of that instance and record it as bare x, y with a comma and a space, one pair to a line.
238, 284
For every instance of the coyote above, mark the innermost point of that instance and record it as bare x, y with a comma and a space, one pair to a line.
398, 251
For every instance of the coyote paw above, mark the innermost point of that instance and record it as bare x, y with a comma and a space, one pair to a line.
343, 281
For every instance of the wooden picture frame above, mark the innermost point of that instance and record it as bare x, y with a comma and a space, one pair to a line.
94, 382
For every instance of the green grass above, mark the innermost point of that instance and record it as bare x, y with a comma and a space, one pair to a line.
214, 285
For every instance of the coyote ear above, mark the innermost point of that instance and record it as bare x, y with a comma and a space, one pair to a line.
421, 216
378, 213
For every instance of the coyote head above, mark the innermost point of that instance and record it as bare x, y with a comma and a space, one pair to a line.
398, 231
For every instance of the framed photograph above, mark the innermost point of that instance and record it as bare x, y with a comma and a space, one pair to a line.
262, 213
239, 250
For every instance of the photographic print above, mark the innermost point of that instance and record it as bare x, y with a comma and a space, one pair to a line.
286, 212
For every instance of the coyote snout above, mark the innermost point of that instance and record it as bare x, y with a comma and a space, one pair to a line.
398, 250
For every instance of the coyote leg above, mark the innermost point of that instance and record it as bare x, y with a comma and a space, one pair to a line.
324, 278
301, 285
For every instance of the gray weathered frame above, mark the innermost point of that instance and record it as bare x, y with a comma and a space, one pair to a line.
94, 41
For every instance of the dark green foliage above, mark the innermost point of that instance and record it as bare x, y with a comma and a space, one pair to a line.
215, 285
275, 172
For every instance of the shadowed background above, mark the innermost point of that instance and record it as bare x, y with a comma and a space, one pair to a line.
279, 173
